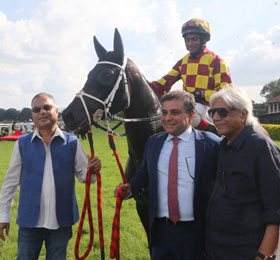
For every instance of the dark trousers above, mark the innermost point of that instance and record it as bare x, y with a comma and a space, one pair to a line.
30, 241
220, 252
174, 242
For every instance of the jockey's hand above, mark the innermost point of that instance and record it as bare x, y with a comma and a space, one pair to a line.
2, 227
126, 189
94, 163
198, 95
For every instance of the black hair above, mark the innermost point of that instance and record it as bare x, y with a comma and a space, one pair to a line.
186, 97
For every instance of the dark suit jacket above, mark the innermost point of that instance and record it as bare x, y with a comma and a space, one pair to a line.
206, 150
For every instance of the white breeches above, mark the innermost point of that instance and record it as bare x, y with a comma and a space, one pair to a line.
200, 112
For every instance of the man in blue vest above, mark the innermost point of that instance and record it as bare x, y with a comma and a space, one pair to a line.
44, 163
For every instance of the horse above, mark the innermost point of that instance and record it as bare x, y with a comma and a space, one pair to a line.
116, 85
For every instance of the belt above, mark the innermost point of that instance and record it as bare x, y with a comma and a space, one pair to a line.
178, 223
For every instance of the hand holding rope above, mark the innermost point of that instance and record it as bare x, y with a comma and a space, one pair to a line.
87, 207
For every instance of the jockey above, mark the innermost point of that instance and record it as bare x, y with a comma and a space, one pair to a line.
202, 71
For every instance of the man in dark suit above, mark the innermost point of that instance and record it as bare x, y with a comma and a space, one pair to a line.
177, 213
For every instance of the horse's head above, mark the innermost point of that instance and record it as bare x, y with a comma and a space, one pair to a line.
105, 91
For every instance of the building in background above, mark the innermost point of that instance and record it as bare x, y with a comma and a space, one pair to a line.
272, 115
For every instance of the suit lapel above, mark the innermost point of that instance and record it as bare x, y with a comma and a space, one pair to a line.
156, 151
200, 146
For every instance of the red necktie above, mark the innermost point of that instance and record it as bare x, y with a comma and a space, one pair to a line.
173, 205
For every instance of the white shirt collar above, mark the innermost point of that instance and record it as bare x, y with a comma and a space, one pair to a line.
185, 136
58, 132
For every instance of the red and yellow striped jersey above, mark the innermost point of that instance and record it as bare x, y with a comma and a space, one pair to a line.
206, 72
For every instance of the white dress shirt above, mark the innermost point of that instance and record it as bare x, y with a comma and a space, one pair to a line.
186, 174
47, 217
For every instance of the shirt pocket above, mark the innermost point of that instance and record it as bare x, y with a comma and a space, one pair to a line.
239, 185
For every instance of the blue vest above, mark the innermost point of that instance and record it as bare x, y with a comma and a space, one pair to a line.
33, 161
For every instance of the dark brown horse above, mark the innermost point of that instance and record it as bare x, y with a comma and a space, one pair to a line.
115, 84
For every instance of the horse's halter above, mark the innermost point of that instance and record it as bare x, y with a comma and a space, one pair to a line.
107, 103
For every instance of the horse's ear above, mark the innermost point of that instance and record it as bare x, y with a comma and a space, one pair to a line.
118, 44
100, 50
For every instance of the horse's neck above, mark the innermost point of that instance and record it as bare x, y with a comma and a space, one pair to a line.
144, 102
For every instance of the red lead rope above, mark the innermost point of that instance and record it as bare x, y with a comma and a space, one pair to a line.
87, 207
115, 239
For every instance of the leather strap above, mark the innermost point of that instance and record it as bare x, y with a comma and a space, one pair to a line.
265, 257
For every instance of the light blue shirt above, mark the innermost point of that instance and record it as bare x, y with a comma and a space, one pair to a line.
186, 174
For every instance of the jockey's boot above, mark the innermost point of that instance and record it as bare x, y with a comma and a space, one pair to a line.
212, 128
205, 125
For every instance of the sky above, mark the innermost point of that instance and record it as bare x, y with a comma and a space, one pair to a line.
46, 46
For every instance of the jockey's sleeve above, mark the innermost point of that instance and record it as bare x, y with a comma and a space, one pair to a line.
221, 76
163, 85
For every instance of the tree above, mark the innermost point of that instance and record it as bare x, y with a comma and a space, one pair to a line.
270, 90
11, 114
259, 109
25, 114
2, 112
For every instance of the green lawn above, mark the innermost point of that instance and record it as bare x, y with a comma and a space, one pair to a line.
277, 143
133, 243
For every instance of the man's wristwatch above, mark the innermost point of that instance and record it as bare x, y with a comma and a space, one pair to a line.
265, 257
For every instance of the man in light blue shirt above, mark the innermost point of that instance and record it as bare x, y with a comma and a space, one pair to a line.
196, 163
29, 126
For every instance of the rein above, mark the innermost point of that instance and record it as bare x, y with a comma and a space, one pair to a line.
124, 120
87, 207
107, 130
136, 120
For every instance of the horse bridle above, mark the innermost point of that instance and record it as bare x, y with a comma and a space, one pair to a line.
107, 103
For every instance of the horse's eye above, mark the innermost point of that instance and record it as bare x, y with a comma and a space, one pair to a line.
105, 77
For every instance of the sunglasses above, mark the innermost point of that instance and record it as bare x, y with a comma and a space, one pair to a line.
45, 107
222, 111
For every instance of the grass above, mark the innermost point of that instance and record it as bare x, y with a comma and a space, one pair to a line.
277, 143
133, 242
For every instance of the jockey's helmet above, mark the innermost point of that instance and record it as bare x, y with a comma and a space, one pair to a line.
196, 26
